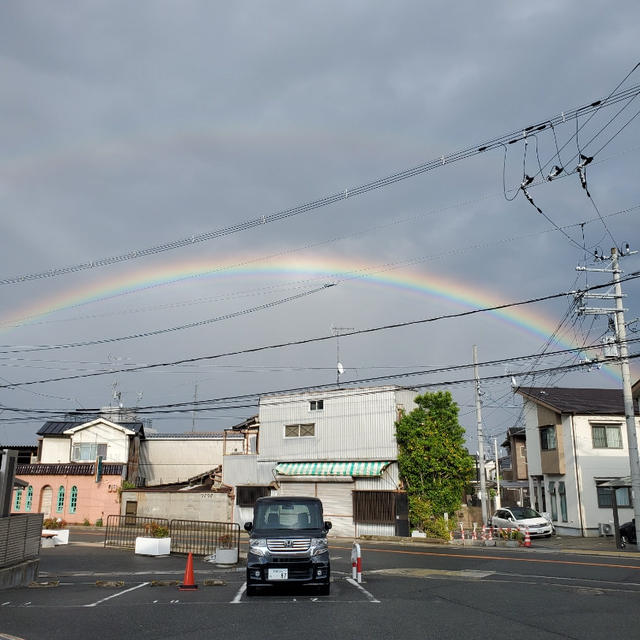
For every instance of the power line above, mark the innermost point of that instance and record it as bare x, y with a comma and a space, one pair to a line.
396, 325
249, 400
191, 325
324, 201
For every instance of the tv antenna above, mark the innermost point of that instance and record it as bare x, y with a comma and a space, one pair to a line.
337, 332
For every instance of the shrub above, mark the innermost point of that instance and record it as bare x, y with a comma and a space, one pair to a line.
423, 517
155, 530
99, 522
54, 523
86, 522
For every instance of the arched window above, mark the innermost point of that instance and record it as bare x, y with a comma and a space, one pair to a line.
29, 501
18, 500
60, 503
73, 499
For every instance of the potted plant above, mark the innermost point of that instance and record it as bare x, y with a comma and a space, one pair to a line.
156, 543
226, 550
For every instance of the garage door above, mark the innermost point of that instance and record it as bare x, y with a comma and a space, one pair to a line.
305, 489
337, 505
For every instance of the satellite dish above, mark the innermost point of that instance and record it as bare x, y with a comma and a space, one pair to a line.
340, 368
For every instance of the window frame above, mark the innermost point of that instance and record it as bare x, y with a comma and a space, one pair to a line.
552, 499
97, 448
28, 502
562, 492
544, 438
605, 500
60, 499
17, 502
299, 426
246, 495
606, 427
73, 499
316, 405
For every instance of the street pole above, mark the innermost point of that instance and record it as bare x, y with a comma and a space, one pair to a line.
498, 499
483, 482
629, 413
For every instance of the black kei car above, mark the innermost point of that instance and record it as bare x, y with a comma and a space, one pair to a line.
288, 544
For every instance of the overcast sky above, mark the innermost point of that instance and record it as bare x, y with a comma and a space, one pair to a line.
126, 126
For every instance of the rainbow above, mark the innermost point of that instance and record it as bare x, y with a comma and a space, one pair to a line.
528, 318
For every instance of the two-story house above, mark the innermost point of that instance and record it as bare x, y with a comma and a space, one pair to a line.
337, 445
576, 441
80, 467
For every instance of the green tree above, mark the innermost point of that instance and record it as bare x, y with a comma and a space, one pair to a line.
433, 462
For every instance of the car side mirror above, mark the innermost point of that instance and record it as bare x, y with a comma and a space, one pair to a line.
327, 525
248, 526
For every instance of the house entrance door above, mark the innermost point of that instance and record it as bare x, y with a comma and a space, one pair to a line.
402, 515
46, 497
130, 511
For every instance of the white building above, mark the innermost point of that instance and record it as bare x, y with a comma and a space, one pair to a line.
576, 440
337, 445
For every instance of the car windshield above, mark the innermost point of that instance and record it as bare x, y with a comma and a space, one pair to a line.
288, 515
523, 513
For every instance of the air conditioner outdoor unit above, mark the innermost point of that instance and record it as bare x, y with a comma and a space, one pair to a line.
605, 528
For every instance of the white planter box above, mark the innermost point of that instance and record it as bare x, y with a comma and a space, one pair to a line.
60, 536
153, 546
226, 556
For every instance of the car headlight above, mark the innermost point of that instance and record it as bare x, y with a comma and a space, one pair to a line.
258, 546
318, 546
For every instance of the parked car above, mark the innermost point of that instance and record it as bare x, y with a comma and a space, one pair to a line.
628, 532
522, 518
288, 544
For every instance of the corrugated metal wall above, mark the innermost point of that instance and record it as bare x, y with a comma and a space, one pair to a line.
20, 538
355, 424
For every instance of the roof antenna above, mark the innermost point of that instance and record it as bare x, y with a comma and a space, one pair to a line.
337, 332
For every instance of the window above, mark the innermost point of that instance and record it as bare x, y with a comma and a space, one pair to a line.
623, 496
548, 438
563, 501
73, 499
60, 503
606, 436
29, 500
376, 507
88, 452
299, 430
523, 451
316, 405
247, 496
18, 500
552, 499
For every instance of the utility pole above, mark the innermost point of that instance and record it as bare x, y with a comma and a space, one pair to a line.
621, 343
498, 499
483, 481
193, 413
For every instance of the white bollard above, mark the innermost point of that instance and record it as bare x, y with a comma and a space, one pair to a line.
356, 562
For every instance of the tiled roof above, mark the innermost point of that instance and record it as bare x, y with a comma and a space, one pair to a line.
586, 401
58, 428
68, 469
190, 435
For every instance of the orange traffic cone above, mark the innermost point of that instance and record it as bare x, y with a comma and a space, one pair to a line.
527, 538
188, 583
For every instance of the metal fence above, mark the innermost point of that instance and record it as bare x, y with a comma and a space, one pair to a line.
122, 531
20, 536
187, 536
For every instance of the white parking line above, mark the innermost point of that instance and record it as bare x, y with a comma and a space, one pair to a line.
115, 595
238, 595
370, 597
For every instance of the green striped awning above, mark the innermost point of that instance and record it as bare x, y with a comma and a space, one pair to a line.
357, 469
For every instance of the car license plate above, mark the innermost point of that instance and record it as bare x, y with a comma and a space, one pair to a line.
278, 574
